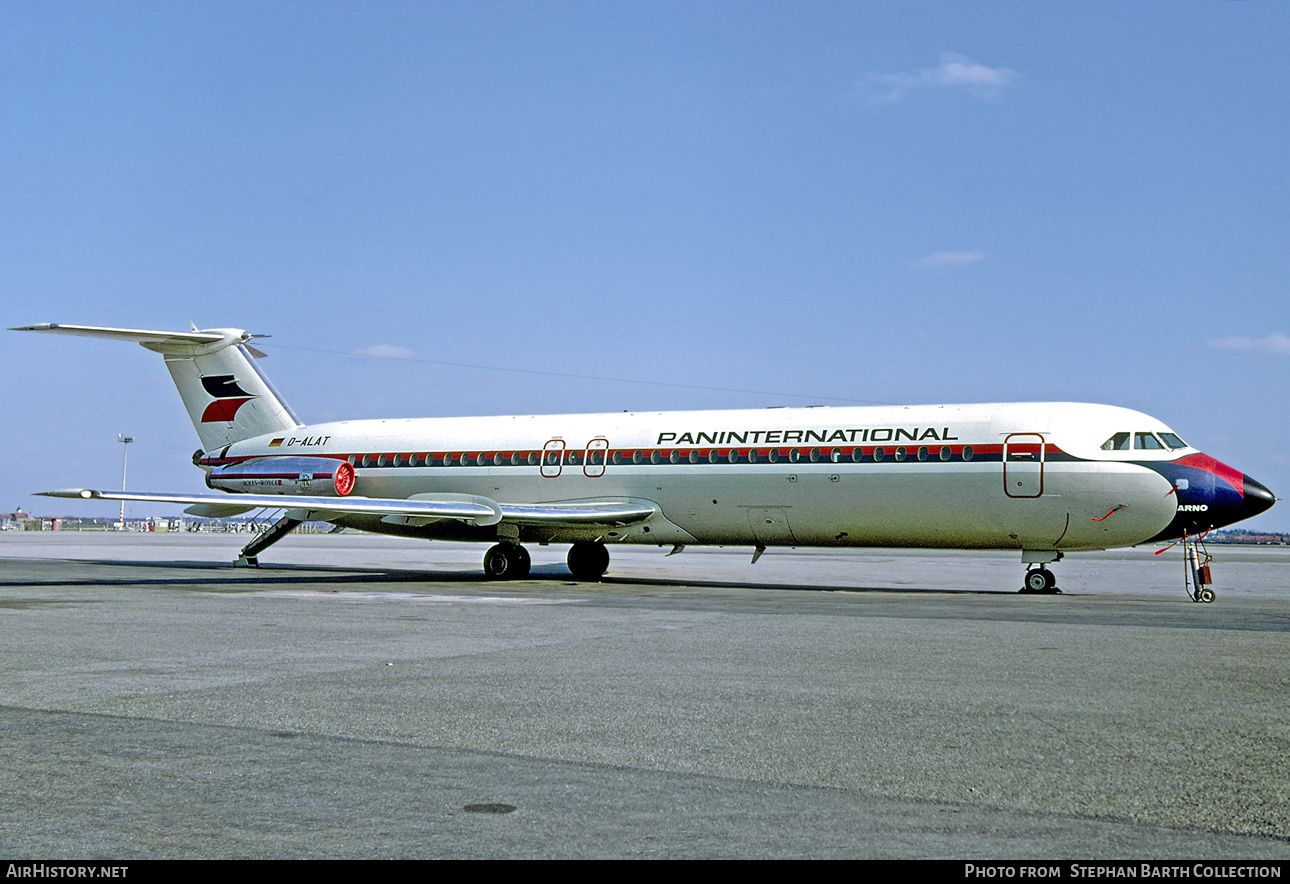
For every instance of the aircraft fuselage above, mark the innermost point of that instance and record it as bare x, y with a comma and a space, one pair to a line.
1009, 476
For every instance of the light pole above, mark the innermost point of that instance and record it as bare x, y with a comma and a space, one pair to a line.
125, 442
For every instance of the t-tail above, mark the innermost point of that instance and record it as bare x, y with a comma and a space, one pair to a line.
227, 397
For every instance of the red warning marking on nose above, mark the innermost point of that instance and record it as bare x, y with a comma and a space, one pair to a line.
1231, 476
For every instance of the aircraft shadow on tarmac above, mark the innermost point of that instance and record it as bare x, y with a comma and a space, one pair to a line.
211, 575
222, 576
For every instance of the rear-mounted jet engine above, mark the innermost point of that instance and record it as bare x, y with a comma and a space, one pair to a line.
316, 476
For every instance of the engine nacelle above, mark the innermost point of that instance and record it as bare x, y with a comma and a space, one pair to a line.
315, 476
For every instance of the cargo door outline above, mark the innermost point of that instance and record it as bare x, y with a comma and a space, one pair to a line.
1023, 464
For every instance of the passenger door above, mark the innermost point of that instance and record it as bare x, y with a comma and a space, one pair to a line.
1023, 465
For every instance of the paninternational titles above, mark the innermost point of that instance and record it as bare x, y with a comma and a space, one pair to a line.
1155, 869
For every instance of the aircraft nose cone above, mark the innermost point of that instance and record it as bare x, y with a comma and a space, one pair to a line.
1257, 499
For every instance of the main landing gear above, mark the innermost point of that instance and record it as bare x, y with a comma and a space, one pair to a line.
507, 561
588, 560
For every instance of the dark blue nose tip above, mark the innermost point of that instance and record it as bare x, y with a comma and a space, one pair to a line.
1257, 499
1210, 495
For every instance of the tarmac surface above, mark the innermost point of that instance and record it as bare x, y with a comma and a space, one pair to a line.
360, 696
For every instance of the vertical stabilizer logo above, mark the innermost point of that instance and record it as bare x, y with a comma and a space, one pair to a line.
229, 397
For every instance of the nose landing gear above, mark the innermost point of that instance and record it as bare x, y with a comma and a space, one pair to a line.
1040, 580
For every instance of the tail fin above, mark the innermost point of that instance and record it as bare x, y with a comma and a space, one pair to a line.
227, 397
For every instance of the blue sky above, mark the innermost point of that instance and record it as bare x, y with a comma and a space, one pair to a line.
490, 208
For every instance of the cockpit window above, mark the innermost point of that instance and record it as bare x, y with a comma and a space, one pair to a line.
1143, 442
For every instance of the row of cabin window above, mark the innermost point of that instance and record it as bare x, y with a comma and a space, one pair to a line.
1143, 442
595, 458
795, 455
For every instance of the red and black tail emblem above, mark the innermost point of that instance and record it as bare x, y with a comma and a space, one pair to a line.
229, 397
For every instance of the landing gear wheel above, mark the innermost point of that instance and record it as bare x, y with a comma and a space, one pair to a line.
1206, 595
507, 561
588, 560
1040, 581
525, 562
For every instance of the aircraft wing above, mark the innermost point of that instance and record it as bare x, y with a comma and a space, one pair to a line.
419, 508
467, 508
579, 513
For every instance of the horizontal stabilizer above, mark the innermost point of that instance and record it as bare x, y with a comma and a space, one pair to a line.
186, 343
122, 334
227, 397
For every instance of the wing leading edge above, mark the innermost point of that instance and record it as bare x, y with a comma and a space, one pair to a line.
469, 508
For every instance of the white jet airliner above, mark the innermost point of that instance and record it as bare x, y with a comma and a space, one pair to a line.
1039, 478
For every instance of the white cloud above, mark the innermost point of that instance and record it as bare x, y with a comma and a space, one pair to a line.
950, 259
1276, 343
385, 351
954, 72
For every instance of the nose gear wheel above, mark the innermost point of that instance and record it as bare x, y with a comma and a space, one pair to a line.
1040, 581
